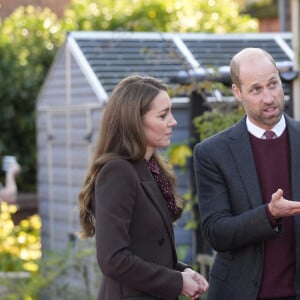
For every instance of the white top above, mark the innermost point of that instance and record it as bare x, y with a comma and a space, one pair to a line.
258, 132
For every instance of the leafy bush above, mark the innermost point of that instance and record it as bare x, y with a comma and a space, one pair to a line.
28, 42
30, 37
212, 122
263, 9
20, 245
20, 252
49, 282
216, 16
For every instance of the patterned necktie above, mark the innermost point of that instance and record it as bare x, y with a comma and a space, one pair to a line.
269, 134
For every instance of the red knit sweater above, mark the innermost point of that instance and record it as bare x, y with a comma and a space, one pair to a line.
272, 162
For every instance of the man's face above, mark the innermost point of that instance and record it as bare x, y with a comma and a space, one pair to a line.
260, 91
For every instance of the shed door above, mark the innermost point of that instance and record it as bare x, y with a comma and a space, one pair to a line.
65, 152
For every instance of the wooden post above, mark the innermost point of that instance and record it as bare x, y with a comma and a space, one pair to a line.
197, 107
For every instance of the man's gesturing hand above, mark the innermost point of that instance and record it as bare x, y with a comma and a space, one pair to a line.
280, 207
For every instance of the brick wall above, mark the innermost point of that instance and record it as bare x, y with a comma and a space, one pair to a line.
8, 6
269, 25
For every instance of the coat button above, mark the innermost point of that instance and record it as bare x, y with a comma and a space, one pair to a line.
255, 283
161, 241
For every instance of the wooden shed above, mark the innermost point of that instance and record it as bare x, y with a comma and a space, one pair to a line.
73, 96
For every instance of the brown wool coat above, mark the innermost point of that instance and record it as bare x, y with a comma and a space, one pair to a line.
134, 235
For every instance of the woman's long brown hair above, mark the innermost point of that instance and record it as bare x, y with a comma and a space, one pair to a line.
121, 135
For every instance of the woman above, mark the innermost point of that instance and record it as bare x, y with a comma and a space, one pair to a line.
129, 200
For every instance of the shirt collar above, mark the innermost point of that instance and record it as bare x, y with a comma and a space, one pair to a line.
258, 132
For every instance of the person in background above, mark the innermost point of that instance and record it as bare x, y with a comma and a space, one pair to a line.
248, 185
9, 191
129, 201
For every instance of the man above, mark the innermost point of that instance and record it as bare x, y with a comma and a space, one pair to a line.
248, 185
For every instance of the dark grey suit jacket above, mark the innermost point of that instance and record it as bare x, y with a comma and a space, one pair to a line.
134, 235
233, 216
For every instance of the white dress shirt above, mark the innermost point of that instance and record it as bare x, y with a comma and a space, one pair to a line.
258, 132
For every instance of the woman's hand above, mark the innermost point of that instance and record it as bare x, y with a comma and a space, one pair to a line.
194, 284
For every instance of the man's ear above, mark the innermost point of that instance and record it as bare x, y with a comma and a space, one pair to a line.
237, 92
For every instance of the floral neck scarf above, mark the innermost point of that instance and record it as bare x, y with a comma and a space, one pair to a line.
165, 188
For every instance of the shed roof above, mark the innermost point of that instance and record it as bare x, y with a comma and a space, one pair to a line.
114, 55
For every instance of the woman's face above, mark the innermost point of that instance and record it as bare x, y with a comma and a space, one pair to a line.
158, 123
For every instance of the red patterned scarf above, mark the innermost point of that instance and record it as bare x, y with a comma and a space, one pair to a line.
165, 188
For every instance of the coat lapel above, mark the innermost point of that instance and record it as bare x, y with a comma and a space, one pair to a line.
241, 150
155, 195
240, 143
294, 138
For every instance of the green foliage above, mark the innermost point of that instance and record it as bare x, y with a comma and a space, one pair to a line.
30, 37
117, 15
49, 280
263, 9
28, 41
24, 274
209, 123
20, 245
212, 122
216, 16
178, 154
